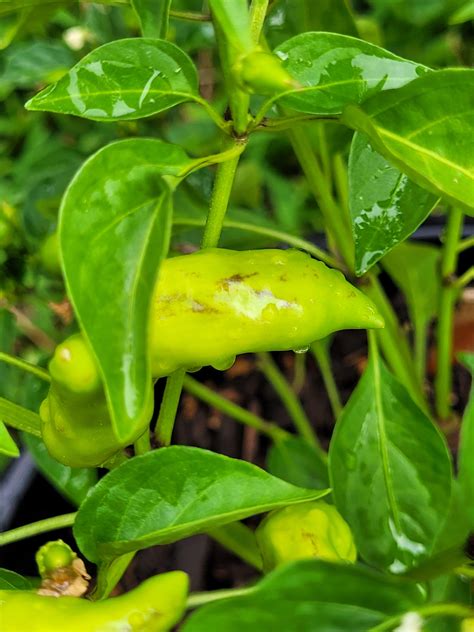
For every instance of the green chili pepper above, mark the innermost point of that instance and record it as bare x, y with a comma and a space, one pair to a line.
307, 530
155, 606
214, 304
76, 425
207, 308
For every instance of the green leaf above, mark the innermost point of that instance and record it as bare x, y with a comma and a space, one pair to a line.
233, 18
310, 595
19, 417
466, 447
117, 209
296, 461
425, 129
386, 206
414, 268
153, 16
9, 580
391, 472
336, 70
72, 483
172, 493
126, 79
7, 444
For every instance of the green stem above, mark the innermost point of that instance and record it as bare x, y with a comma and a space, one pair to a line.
439, 609
333, 217
169, 408
464, 279
19, 417
290, 401
278, 235
190, 15
219, 201
420, 340
213, 114
25, 366
320, 351
143, 445
465, 244
34, 528
201, 599
299, 372
234, 411
444, 330
239, 539
258, 12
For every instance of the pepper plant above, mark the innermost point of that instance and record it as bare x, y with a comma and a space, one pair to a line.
153, 160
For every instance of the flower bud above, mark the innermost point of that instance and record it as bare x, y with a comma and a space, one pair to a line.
53, 555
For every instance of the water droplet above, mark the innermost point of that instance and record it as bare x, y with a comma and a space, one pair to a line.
177, 71
283, 56
301, 350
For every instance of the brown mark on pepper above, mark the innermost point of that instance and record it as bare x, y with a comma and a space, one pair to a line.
235, 278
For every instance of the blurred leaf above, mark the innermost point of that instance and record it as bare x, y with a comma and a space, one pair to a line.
153, 16
415, 269
72, 483
27, 64
19, 417
9, 580
390, 471
465, 13
7, 445
466, 446
310, 595
425, 129
296, 461
418, 12
386, 206
152, 499
121, 216
337, 70
126, 79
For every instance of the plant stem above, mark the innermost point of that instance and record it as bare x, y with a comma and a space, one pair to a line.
444, 330
278, 235
290, 401
143, 445
420, 340
234, 411
239, 539
439, 609
333, 217
190, 15
299, 372
464, 279
202, 598
34, 528
320, 351
169, 407
465, 244
19, 417
258, 12
219, 201
25, 366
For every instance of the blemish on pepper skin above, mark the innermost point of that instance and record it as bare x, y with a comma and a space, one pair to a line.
283, 277
236, 278
203, 309
351, 294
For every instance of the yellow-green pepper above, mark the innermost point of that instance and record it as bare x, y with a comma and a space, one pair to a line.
313, 529
207, 308
155, 606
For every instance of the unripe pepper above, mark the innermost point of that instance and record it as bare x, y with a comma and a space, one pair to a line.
207, 308
76, 425
308, 530
155, 606
210, 306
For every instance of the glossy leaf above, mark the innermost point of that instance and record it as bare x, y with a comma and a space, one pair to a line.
126, 79
425, 129
336, 70
172, 493
233, 18
9, 580
117, 210
466, 447
153, 16
311, 595
296, 461
385, 205
390, 471
8, 447
72, 483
